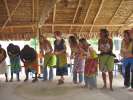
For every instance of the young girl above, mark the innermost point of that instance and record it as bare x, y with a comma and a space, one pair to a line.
3, 66
60, 52
14, 55
49, 58
79, 62
90, 65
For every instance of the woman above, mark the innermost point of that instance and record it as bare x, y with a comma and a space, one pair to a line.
49, 58
106, 58
3, 66
14, 55
125, 47
29, 57
79, 60
60, 52
127, 54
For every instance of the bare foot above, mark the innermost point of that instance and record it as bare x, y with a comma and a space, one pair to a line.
34, 80
104, 87
111, 89
130, 90
60, 82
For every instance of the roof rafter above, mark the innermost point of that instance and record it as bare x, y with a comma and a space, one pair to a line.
116, 11
99, 10
33, 11
122, 27
12, 13
64, 25
54, 14
74, 18
7, 9
88, 10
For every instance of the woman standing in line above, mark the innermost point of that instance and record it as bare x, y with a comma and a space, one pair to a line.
106, 57
61, 55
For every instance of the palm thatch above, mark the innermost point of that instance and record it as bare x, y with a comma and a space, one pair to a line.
21, 19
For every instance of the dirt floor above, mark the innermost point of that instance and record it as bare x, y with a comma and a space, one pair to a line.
51, 91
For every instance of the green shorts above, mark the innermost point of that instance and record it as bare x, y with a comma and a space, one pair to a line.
106, 63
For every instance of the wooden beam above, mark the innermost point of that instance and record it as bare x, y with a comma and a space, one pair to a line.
11, 28
33, 11
99, 10
54, 14
64, 25
49, 4
12, 13
88, 10
116, 11
125, 24
7, 9
74, 18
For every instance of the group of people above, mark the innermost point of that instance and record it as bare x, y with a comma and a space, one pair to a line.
86, 60
27, 55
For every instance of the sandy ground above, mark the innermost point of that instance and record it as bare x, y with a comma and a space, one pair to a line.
51, 91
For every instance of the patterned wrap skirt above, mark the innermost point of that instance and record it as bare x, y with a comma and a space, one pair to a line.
3, 67
15, 64
32, 66
90, 67
49, 60
79, 64
61, 65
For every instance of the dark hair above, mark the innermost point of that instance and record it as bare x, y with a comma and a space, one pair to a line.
84, 41
73, 40
57, 33
105, 31
13, 49
126, 32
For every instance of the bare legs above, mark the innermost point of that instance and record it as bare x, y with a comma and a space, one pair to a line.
110, 79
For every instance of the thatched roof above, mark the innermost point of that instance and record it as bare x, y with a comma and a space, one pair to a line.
83, 17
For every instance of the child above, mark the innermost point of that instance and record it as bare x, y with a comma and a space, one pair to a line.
3, 66
14, 55
79, 62
90, 65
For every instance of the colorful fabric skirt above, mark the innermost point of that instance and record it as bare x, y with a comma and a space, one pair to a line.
90, 67
79, 65
32, 65
61, 65
15, 64
106, 63
60, 71
3, 67
61, 60
49, 60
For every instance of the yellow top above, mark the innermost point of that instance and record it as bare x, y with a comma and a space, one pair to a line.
126, 49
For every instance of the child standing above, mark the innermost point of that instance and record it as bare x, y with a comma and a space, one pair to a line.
90, 65
79, 62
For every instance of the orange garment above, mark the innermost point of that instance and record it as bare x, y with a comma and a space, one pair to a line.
33, 65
